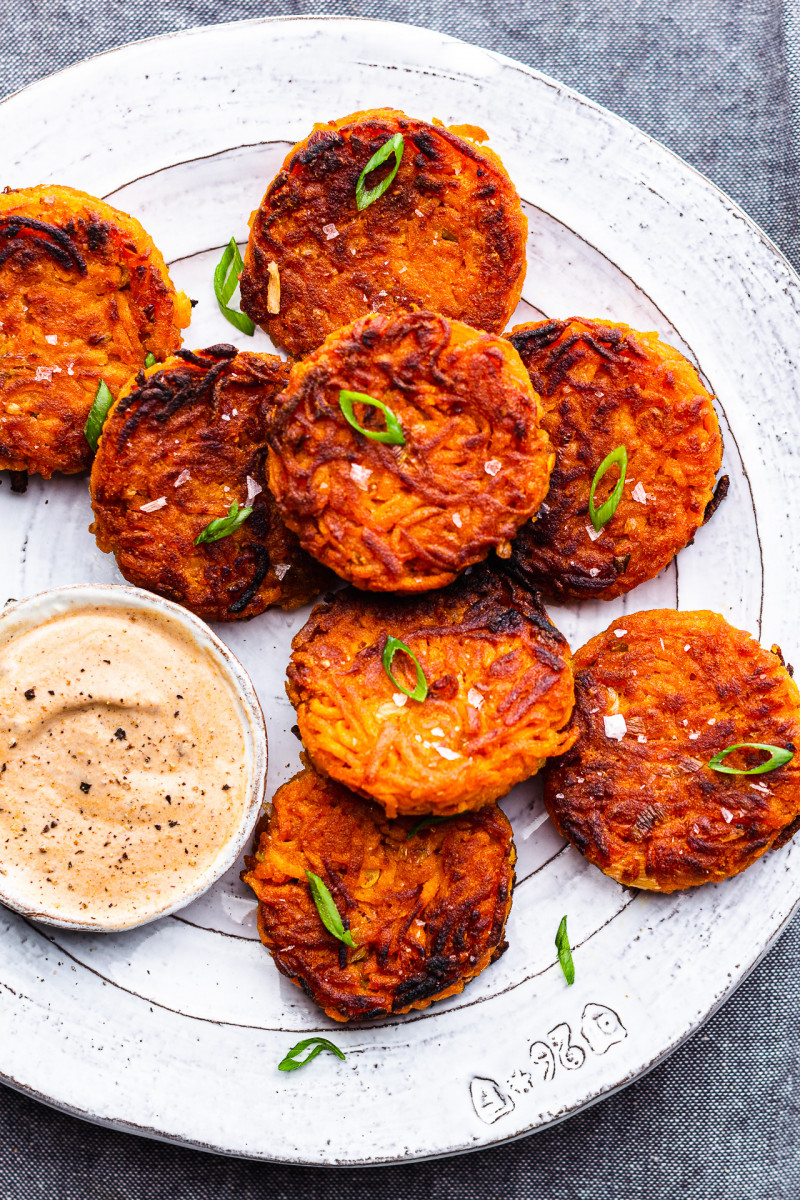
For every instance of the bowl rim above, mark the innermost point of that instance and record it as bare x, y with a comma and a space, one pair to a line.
247, 704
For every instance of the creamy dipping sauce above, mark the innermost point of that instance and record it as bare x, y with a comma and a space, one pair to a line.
122, 764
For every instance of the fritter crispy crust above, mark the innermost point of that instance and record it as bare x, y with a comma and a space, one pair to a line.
449, 233
603, 386
647, 809
192, 431
427, 912
84, 296
500, 693
474, 466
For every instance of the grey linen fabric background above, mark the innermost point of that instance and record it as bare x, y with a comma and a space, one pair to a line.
719, 82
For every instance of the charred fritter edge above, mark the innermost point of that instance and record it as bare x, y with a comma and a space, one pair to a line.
200, 419
500, 693
474, 467
632, 374
449, 233
427, 912
104, 301
647, 809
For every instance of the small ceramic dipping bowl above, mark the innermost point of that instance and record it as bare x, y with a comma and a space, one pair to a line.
133, 757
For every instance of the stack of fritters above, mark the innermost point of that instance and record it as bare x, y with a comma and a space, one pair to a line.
412, 449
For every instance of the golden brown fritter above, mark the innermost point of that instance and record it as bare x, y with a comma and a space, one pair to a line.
500, 693
84, 296
647, 809
603, 386
192, 433
426, 909
475, 463
448, 234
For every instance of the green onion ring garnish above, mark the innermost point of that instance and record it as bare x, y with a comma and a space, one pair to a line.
602, 515
222, 527
97, 414
328, 912
150, 360
394, 644
564, 952
393, 434
226, 280
291, 1062
394, 146
428, 821
778, 758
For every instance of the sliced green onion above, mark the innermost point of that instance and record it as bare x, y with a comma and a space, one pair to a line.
394, 644
328, 912
428, 821
226, 279
292, 1063
150, 360
564, 952
222, 527
394, 146
97, 414
602, 515
393, 434
778, 758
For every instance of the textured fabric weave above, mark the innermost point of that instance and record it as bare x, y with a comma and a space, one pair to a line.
719, 82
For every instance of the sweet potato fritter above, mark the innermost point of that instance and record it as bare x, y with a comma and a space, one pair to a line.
475, 463
647, 809
448, 234
192, 433
604, 386
84, 296
500, 692
426, 909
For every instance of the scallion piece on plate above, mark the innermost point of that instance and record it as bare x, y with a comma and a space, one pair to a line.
602, 515
778, 757
393, 434
226, 279
391, 648
291, 1062
564, 952
222, 527
97, 414
328, 912
393, 146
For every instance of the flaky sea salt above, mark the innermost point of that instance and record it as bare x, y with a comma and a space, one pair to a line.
639, 494
457, 521
360, 475
330, 231
593, 533
726, 816
184, 477
593, 571
620, 632
45, 374
281, 569
437, 732
399, 699
615, 726
253, 489
446, 752
154, 505
52, 338
474, 698
492, 466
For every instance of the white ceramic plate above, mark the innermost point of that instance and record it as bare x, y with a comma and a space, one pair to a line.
176, 1029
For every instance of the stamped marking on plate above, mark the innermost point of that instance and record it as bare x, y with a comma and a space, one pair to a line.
601, 1028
